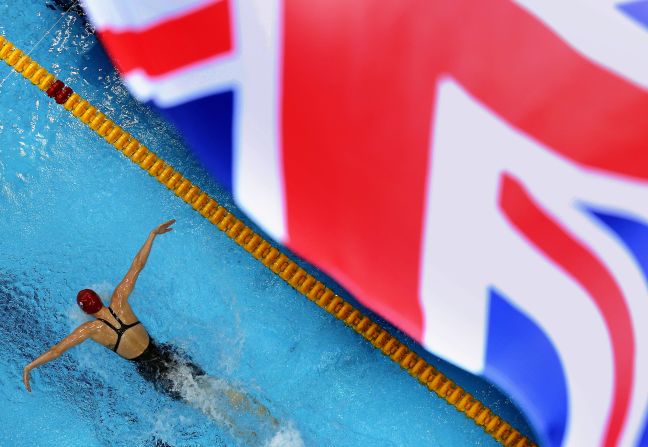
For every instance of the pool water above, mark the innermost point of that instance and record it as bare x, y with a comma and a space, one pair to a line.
73, 213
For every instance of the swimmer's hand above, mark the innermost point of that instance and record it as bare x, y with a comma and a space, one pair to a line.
26, 378
163, 228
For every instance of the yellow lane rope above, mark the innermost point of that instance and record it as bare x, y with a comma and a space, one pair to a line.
262, 250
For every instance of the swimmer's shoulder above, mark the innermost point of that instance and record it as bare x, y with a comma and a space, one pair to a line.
85, 330
93, 330
90, 326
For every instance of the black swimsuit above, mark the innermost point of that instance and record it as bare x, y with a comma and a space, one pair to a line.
122, 327
158, 363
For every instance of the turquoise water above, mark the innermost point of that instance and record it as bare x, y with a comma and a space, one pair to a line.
73, 213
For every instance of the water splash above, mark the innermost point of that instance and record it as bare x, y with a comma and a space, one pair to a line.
247, 420
287, 436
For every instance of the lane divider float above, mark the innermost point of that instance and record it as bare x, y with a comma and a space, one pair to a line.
261, 249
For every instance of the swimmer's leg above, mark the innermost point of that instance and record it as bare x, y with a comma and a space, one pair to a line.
249, 436
226, 406
244, 402
180, 378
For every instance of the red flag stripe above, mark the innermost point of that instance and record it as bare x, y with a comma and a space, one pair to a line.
583, 266
356, 114
542, 86
356, 138
172, 44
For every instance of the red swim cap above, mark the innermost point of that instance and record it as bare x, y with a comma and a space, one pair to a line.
89, 301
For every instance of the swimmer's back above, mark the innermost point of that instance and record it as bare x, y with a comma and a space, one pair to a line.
133, 341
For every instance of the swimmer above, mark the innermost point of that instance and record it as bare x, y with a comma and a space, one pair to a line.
118, 328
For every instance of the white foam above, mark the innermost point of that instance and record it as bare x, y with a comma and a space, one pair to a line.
287, 436
246, 419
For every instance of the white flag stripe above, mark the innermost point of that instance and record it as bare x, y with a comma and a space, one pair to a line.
600, 32
258, 166
592, 189
194, 81
473, 245
134, 15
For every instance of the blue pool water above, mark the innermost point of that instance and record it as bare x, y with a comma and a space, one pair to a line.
73, 213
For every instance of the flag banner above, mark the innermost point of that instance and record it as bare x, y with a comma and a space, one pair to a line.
475, 171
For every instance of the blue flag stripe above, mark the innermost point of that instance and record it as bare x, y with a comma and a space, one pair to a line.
207, 126
637, 10
537, 382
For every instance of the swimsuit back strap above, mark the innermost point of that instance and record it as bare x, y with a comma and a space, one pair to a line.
112, 312
123, 326
108, 324
119, 331
114, 329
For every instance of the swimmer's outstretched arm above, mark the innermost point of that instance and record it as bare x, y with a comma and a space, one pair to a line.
126, 286
79, 335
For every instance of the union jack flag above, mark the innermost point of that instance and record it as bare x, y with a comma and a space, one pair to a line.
476, 171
